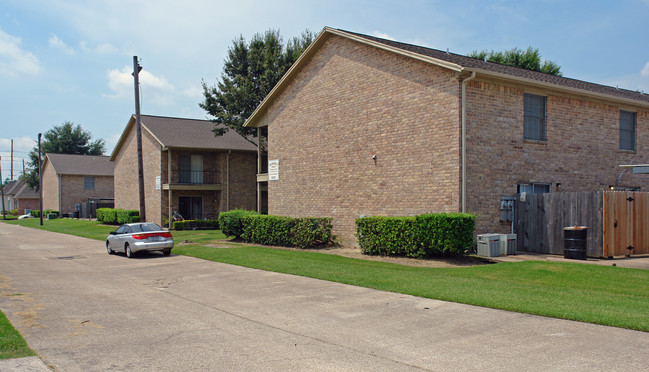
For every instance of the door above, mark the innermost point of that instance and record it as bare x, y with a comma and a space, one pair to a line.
190, 207
190, 168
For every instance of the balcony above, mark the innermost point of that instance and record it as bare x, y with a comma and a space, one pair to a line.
194, 180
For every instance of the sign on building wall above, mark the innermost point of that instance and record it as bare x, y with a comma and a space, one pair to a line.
273, 170
157, 182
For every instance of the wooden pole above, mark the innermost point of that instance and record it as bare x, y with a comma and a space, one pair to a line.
40, 180
138, 125
2, 192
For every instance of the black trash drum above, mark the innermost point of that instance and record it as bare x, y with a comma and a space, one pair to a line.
575, 242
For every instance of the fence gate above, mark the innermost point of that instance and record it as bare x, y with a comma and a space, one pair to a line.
626, 223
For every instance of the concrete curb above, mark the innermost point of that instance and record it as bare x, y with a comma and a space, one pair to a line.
29, 364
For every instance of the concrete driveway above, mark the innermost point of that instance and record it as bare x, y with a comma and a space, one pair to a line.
83, 310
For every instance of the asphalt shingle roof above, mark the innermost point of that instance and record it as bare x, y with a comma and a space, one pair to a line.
193, 134
473, 63
83, 165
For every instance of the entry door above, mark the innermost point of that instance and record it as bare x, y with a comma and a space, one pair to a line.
190, 207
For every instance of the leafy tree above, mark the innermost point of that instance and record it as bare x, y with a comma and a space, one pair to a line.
62, 139
529, 59
250, 72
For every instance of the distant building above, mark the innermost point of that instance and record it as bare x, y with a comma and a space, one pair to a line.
73, 179
186, 169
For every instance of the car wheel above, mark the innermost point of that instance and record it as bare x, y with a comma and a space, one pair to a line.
110, 251
129, 253
166, 252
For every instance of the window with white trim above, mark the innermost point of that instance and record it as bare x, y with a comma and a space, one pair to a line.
627, 130
534, 117
534, 188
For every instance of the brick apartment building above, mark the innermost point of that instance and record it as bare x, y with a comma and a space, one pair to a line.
73, 179
186, 169
18, 195
364, 126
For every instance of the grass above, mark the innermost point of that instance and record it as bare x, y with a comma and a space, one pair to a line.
12, 344
606, 295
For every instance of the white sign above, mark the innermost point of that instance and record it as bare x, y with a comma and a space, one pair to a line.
157, 182
273, 170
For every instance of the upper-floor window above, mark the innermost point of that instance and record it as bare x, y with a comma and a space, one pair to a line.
190, 168
89, 183
627, 130
534, 112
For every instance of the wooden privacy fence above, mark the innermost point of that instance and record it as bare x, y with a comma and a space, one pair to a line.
615, 221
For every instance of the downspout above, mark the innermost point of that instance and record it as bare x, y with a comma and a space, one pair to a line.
464, 139
227, 181
170, 195
258, 169
58, 175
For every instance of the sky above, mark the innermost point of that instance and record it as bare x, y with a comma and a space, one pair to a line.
72, 60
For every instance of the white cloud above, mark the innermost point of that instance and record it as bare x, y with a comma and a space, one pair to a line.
56, 43
194, 91
645, 70
22, 147
103, 48
121, 82
14, 60
383, 35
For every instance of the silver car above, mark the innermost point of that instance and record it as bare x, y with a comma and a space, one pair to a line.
136, 237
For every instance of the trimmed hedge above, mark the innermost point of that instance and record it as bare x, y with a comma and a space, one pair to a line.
303, 232
419, 236
37, 213
231, 222
112, 216
196, 225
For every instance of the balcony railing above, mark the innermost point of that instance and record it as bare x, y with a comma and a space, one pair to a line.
187, 177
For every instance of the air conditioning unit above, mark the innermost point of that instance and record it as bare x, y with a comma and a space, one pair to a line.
489, 245
507, 244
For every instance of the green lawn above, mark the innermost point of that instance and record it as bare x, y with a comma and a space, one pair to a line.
590, 293
12, 344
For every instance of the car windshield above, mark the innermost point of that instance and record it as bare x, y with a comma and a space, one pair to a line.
145, 227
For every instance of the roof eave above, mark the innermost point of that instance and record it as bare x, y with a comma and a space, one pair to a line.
254, 121
542, 84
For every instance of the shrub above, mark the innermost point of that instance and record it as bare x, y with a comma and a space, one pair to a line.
35, 213
421, 236
14, 212
125, 216
100, 213
196, 225
267, 230
231, 222
310, 232
303, 232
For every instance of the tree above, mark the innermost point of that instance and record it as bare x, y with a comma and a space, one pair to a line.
63, 139
250, 72
529, 59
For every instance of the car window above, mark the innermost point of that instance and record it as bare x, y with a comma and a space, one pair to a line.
145, 227
121, 230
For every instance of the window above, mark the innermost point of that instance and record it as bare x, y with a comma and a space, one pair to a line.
534, 188
534, 112
627, 130
89, 183
190, 168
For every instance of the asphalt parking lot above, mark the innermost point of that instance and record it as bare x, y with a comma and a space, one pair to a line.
83, 310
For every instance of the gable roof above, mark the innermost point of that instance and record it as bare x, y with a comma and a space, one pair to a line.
20, 190
80, 165
179, 133
10, 187
454, 62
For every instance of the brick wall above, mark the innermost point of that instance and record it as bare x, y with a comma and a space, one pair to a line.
243, 178
581, 152
127, 194
50, 188
74, 192
351, 102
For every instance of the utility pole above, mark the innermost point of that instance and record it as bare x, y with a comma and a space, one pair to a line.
12, 161
2, 192
138, 126
40, 180
23, 166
